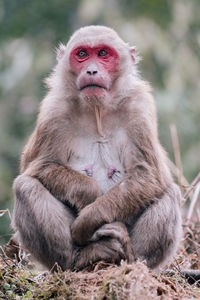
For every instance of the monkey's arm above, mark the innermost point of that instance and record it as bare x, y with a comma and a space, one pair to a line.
146, 179
65, 183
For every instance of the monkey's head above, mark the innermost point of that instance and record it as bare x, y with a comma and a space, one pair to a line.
95, 66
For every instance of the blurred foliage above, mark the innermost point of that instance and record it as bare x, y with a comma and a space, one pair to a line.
167, 34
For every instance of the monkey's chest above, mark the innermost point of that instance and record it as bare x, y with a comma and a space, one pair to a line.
101, 160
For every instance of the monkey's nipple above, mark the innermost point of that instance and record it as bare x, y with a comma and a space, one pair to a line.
89, 170
111, 171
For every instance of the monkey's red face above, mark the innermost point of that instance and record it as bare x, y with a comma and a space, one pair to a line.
96, 68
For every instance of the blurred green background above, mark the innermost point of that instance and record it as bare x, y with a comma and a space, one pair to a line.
167, 35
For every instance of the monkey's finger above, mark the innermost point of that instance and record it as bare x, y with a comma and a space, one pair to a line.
128, 249
113, 251
118, 248
115, 230
109, 232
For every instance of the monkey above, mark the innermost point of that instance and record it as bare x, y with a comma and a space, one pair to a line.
94, 180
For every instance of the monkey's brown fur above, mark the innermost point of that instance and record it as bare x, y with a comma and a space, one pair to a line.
53, 187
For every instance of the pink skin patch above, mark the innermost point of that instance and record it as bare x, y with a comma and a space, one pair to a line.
103, 54
89, 170
95, 67
111, 171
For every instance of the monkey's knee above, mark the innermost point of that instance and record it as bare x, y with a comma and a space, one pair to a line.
43, 223
24, 188
19, 186
156, 235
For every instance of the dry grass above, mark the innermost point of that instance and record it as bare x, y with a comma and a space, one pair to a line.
134, 281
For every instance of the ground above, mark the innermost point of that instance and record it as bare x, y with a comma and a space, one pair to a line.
135, 281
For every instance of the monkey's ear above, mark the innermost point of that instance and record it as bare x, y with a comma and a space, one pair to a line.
133, 54
60, 51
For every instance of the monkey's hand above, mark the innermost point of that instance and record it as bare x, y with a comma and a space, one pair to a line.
116, 230
88, 221
109, 250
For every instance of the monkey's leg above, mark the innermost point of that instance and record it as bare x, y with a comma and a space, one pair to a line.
42, 222
156, 234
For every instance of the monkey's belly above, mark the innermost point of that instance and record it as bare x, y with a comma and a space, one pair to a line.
100, 161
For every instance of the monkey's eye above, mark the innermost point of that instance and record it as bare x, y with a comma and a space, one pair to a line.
102, 52
82, 53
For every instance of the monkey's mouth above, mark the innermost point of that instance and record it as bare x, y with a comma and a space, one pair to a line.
92, 85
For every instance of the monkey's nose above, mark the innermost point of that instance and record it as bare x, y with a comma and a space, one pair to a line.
92, 69
93, 72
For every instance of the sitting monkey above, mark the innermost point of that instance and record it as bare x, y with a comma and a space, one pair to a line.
95, 183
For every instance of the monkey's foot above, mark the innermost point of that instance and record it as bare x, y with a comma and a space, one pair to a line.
12, 249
